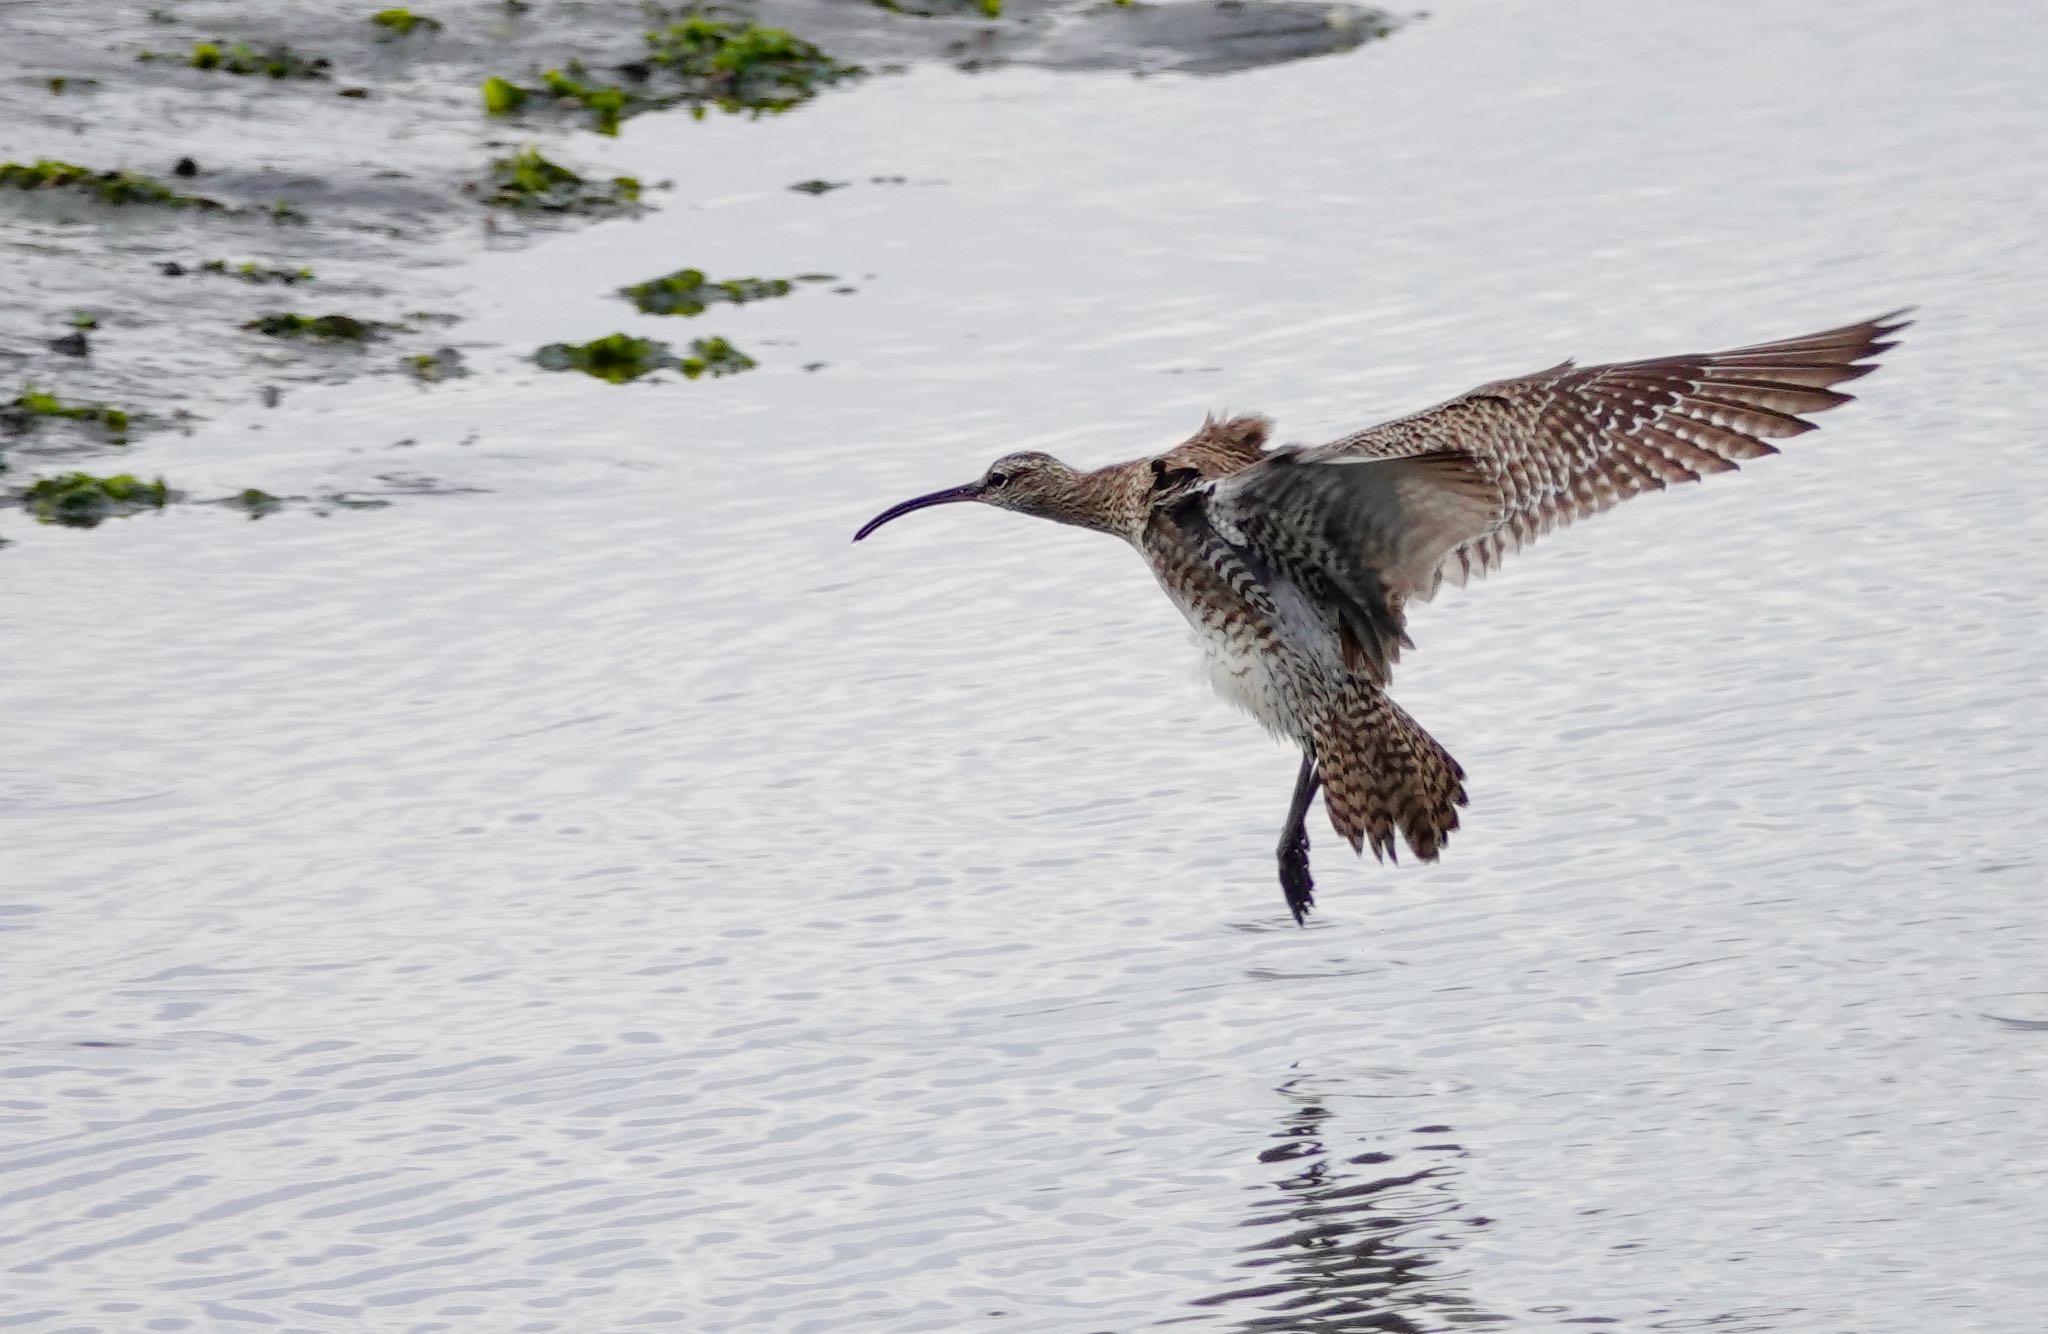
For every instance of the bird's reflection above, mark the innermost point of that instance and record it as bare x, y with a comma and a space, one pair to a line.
1359, 1228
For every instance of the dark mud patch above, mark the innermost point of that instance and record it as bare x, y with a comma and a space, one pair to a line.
434, 367
319, 328
248, 271
114, 188
274, 62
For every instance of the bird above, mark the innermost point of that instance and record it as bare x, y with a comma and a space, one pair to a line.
1295, 565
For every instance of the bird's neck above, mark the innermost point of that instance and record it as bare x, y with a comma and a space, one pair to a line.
1111, 500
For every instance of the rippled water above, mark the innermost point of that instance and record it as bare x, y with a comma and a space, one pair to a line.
611, 901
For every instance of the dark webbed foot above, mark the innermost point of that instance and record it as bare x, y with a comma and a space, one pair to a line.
1294, 877
1295, 880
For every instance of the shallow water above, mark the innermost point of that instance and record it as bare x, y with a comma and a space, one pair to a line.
607, 900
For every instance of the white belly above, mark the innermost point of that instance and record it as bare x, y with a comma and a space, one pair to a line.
1251, 680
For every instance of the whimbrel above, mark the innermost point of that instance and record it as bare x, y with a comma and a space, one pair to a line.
1296, 565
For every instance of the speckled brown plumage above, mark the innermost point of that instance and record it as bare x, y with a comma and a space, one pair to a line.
1296, 566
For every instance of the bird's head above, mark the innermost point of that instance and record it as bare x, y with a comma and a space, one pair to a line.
1028, 482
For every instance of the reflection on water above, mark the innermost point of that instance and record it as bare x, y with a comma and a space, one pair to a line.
1354, 1241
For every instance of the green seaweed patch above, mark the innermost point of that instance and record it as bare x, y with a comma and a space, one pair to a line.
615, 358
527, 180
744, 66
715, 357
931, 9
84, 319
33, 402
434, 367
249, 271
254, 501
607, 103
109, 187
60, 82
322, 328
81, 500
688, 292
403, 22
277, 62
502, 97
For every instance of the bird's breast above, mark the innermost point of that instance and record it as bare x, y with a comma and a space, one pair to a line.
1264, 648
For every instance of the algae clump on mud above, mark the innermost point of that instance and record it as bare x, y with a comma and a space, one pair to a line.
32, 403
617, 358
921, 8
81, 500
404, 22
715, 356
728, 63
249, 271
325, 328
109, 187
527, 180
278, 62
743, 66
688, 292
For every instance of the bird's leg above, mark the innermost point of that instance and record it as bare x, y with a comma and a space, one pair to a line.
1294, 877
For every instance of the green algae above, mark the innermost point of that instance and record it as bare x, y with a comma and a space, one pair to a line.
60, 82
527, 180
277, 62
249, 271
502, 97
84, 319
321, 328
607, 103
688, 292
615, 358
744, 66
255, 501
947, 8
81, 500
32, 403
707, 61
403, 22
715, 357
434, 367
109, 187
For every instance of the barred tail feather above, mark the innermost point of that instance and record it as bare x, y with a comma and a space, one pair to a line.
1382, 773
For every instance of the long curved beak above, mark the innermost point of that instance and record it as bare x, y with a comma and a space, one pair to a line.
971, 491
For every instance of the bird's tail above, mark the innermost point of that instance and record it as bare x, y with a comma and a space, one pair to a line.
1381, 773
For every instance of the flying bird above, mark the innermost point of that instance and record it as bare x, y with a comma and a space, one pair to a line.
1296, 565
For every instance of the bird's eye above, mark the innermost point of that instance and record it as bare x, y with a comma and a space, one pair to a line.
998, 480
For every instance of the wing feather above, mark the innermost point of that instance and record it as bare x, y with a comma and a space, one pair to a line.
1571, 441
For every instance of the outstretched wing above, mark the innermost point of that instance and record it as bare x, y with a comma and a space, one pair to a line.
1569, 442
1363, 524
